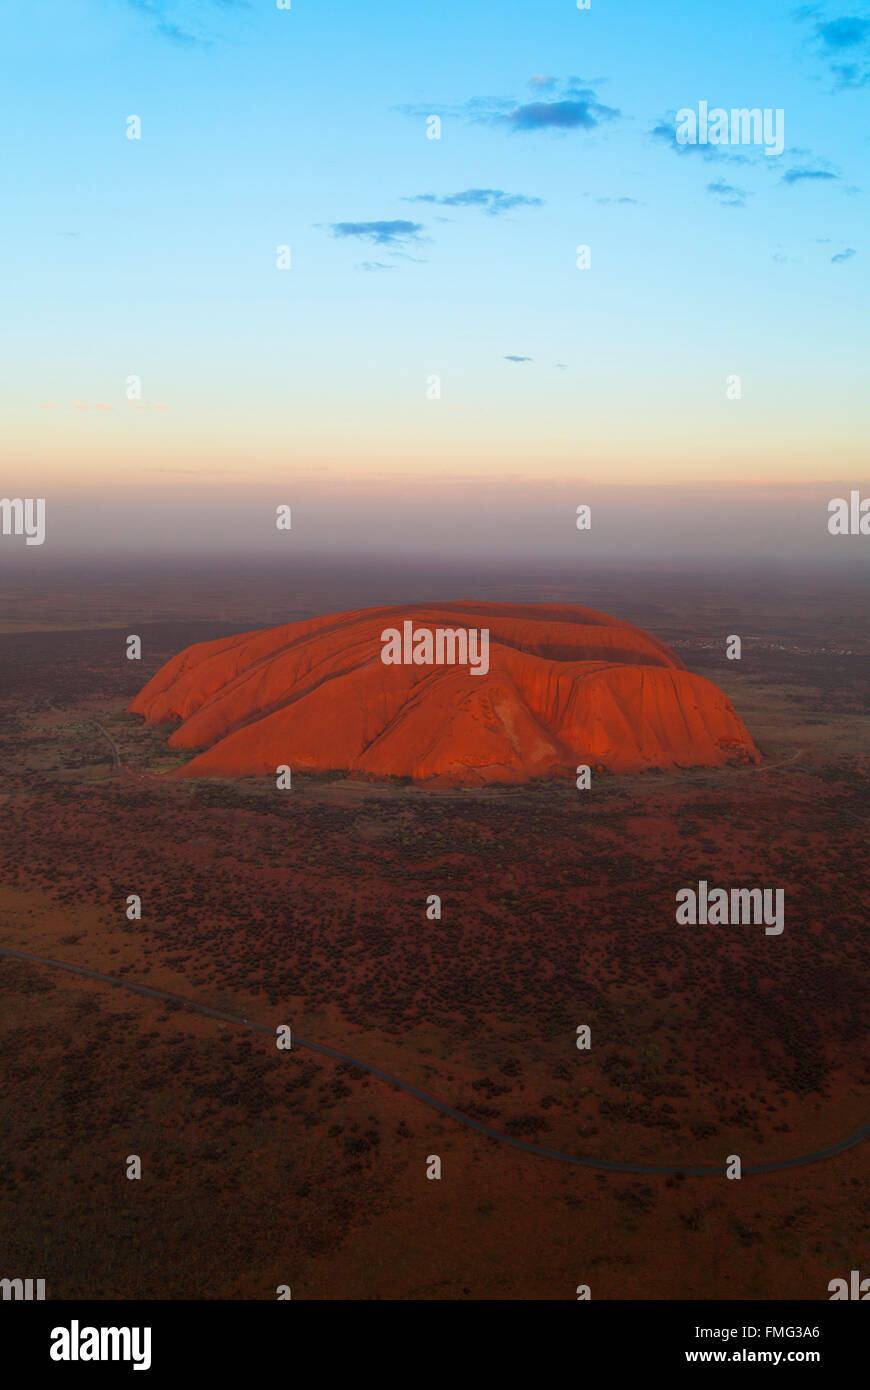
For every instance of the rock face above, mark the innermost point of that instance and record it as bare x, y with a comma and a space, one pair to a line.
564, 686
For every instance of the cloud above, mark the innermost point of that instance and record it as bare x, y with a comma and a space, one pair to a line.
798, 175
480, 110
843, 256
581, 114
198, 12
180, 36
728, 195
394, 233
665, 130
374, 265
511, 357
166, 27
836, 39
576, 108
849, 31
850, 75
492, 201
619, 202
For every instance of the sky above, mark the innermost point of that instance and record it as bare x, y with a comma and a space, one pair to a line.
322, 306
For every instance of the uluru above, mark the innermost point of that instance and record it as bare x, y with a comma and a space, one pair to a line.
561, 686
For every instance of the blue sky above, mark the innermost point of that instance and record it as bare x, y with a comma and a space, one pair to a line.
413, 257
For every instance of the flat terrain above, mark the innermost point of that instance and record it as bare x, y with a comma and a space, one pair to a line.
308, 907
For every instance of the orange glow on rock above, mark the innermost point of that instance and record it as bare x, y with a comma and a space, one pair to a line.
565, 686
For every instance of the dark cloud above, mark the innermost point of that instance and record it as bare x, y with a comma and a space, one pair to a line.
576, 107
666, 132
582, 114
799, 175
511, 357
492, 201
393, 233
835, 39
850, 31
843, 256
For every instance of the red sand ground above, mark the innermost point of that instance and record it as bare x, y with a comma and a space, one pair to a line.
565, 685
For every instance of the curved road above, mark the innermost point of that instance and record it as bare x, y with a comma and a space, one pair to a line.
537, 1149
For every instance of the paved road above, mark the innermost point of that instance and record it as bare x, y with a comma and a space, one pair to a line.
537, 1149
